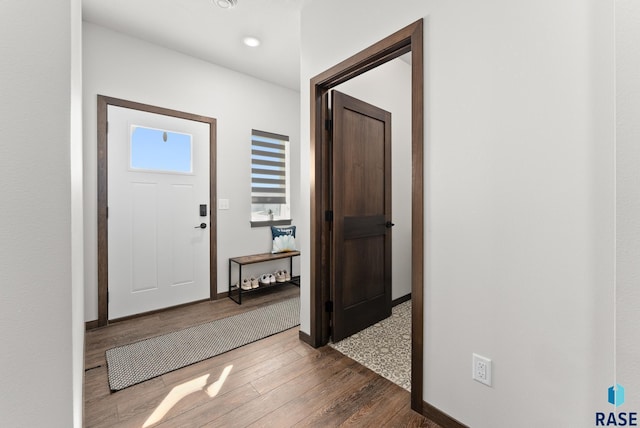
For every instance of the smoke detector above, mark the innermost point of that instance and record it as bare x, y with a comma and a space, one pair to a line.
225, 4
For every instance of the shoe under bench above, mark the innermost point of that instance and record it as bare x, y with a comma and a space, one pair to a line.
259, 258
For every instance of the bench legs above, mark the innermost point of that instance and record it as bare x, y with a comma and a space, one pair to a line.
239, 288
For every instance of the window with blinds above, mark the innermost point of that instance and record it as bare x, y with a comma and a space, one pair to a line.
270, 181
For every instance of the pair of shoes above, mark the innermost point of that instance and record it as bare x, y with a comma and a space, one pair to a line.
280, 276
283, 276
249, 283
267, 279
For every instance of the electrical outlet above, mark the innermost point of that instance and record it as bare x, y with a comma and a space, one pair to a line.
481, 369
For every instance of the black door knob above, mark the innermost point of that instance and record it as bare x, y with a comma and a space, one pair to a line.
202, 226
389, 225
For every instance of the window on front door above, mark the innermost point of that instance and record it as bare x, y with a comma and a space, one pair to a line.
159, 150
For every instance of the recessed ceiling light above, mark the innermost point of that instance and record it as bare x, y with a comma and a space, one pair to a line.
251, 41
225, 4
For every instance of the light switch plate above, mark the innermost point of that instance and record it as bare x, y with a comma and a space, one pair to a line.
223, 204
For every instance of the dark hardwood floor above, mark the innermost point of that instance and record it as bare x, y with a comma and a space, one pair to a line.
276, 382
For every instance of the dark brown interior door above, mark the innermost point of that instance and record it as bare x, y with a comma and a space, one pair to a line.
361, 253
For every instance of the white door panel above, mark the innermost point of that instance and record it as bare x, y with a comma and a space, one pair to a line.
157, 256
143, 243
183, 244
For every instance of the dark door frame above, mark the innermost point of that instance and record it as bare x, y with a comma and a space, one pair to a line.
408, 39
103, 249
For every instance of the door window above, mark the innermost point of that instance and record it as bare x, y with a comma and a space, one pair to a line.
160, 150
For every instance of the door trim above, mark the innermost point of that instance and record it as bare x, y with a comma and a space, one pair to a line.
103, 260
408, 39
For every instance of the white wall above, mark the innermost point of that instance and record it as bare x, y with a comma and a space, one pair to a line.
519, 197
42, 340
628, 198
123, 67
77, 212
389, 87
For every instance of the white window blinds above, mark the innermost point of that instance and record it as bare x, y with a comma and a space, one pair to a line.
268, 168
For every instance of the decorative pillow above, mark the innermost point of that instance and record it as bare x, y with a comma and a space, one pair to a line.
284, 239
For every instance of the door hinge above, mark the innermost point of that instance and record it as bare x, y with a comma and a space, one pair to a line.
328, 125
107, 130
108, 297
107, 212
328, 306
328, 216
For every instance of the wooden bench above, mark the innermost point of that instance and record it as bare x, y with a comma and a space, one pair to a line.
259, 258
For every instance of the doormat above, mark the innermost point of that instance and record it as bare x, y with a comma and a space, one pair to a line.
140, 361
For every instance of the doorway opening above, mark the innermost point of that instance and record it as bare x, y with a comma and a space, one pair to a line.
104, 105
407, 40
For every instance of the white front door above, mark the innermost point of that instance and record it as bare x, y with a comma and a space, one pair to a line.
158, 178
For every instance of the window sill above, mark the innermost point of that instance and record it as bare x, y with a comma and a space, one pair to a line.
270, 223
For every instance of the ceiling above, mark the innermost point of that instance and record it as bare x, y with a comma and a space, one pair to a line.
203, 30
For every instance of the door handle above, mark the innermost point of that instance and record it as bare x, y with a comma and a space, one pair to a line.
202, 226
389, 225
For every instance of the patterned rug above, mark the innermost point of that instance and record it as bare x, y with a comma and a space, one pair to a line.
134, 363
385, 347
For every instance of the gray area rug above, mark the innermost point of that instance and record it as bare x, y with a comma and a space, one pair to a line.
385, 347
134, 363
